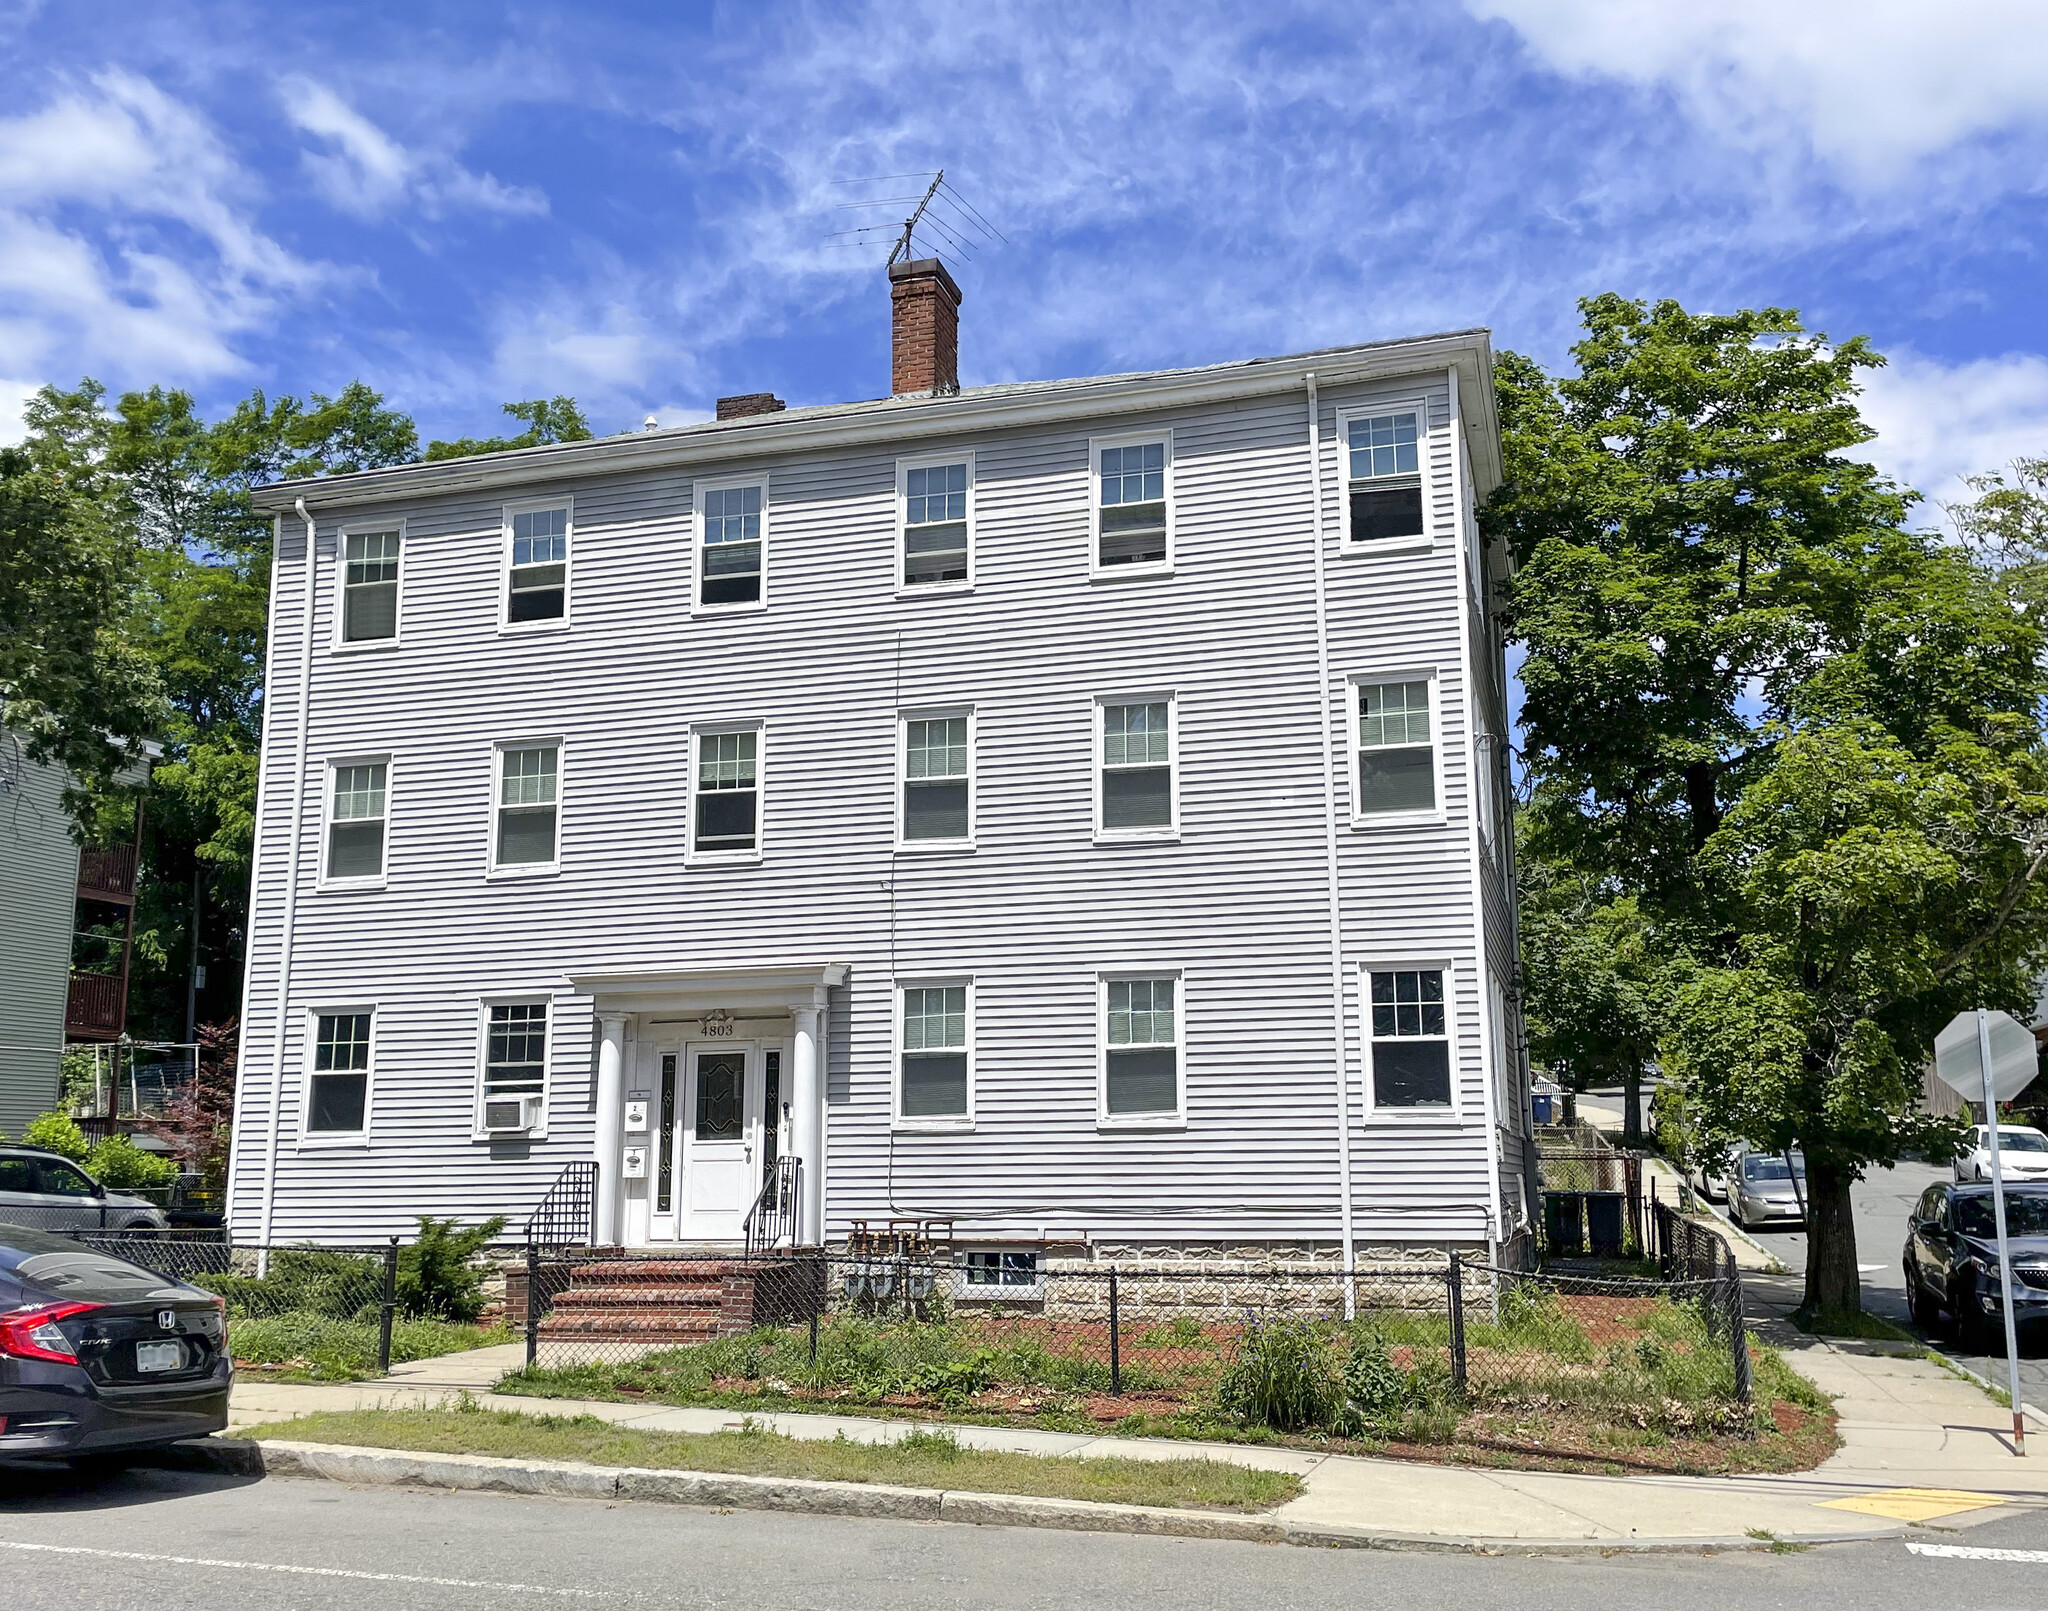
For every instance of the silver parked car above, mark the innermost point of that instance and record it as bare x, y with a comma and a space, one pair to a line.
45, 1191
1765, 1186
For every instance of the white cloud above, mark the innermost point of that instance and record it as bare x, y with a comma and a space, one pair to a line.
367, 174
14, 396
1939, 422
1873, 86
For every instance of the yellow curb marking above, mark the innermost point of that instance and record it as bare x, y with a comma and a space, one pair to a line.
1914, 1504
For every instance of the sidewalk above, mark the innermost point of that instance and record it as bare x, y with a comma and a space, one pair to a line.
1919, 1445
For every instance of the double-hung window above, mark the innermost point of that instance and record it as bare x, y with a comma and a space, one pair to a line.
732, 545
725, 806
1133, 505
1384, 492
938, 805
937, 542
933, 1085
529, 804
1136, 789
369, 586
338, 1088
515, 1064
537, 575
1141, 1061
1410, 1038
356, 815
1396, 750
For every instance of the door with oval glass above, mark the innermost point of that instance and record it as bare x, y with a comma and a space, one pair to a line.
718, 1140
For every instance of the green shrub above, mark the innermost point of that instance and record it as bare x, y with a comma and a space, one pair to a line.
305, 1281
1282, 1374
120, 1165
435, 1280
54, 1132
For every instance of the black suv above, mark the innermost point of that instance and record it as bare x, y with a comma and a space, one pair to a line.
1951, 1257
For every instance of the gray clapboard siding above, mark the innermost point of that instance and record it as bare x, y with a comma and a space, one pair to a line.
38, 899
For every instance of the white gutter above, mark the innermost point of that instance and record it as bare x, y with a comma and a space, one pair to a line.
1315, 482
291, 881
1474, 781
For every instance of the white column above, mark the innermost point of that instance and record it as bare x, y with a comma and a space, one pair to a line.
807, 1127
611, 1118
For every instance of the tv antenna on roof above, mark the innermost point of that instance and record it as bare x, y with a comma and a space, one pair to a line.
940, 211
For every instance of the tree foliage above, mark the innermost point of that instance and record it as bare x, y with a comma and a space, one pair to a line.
547, 420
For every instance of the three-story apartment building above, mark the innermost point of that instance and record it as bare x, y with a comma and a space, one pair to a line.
1075, 810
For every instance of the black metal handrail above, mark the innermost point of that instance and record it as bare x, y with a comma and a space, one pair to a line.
567, 1216
773, 1218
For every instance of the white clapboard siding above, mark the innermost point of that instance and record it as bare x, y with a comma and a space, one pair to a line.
1239, 905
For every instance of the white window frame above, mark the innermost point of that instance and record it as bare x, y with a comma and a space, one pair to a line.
325, 880
1178, 1118
1437, 815
1032, 1291
1170, 833
920, 590
527, 506
514, 998
1426, 539
952, 1124
1097, 571
341, 644
692, 856
697, 492
930, 713
310, 1139
1370, 1108
524, 869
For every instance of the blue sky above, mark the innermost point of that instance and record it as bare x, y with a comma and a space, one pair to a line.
635, 203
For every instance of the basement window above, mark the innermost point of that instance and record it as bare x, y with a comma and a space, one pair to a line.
999, 1273
1384, 501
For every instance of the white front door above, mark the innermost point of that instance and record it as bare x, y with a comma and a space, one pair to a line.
717, 1140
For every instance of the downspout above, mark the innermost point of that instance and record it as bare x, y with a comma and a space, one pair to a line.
291, 880
1468, 596
1315, 483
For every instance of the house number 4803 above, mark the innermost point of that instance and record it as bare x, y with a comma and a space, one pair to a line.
717, 1025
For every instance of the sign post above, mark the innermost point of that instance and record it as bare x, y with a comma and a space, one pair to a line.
1965, 1056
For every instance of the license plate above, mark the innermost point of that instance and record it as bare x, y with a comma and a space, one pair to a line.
159, 1356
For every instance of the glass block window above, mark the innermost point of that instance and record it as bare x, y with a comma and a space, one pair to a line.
1386, 476
1132, 515
527, 805
934, 1052
337, 1096
539, 578
355, 822
728, 796
1142, 1073
1396, 753
935, 525
935, 786
1137, 766
1411, 1046
516, 1052
369, 586
729, 562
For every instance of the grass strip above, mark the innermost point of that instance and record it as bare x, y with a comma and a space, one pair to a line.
919, 1460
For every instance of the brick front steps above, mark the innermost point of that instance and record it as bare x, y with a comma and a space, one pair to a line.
607, 1303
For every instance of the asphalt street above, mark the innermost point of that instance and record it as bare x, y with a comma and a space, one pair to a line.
163, 1541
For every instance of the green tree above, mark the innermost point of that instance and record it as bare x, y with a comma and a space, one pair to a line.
547, 420
1802, 738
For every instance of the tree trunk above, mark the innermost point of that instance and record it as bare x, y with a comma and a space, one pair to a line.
1632, 1108
1832, 1285
1703, 800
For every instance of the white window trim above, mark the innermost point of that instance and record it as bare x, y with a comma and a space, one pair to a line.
528, 998
951, 1125
1423, 431
1372, 1112
340, 644
1440, 813
524, 506
965, 1291
935, 847
334, 764
1178, 1118
1097, 571
697, 491
692, 856
314, 1140
529, 869
922, 590
1169, 834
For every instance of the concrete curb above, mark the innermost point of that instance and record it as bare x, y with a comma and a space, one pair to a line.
722, 1491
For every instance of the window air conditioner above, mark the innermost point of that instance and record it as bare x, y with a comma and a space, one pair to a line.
509, 1115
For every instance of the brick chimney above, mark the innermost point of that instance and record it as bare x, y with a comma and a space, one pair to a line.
740, 408
924, 349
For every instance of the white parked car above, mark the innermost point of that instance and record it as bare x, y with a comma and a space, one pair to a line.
2022, 1150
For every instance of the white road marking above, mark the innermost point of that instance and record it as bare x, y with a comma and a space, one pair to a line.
1865, 1269
303, 1571
1963, 1552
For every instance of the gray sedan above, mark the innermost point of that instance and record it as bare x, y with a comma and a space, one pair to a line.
48, 1192
1763, 1186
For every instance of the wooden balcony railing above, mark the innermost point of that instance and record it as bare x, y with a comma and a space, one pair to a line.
97, 1006
107, 874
